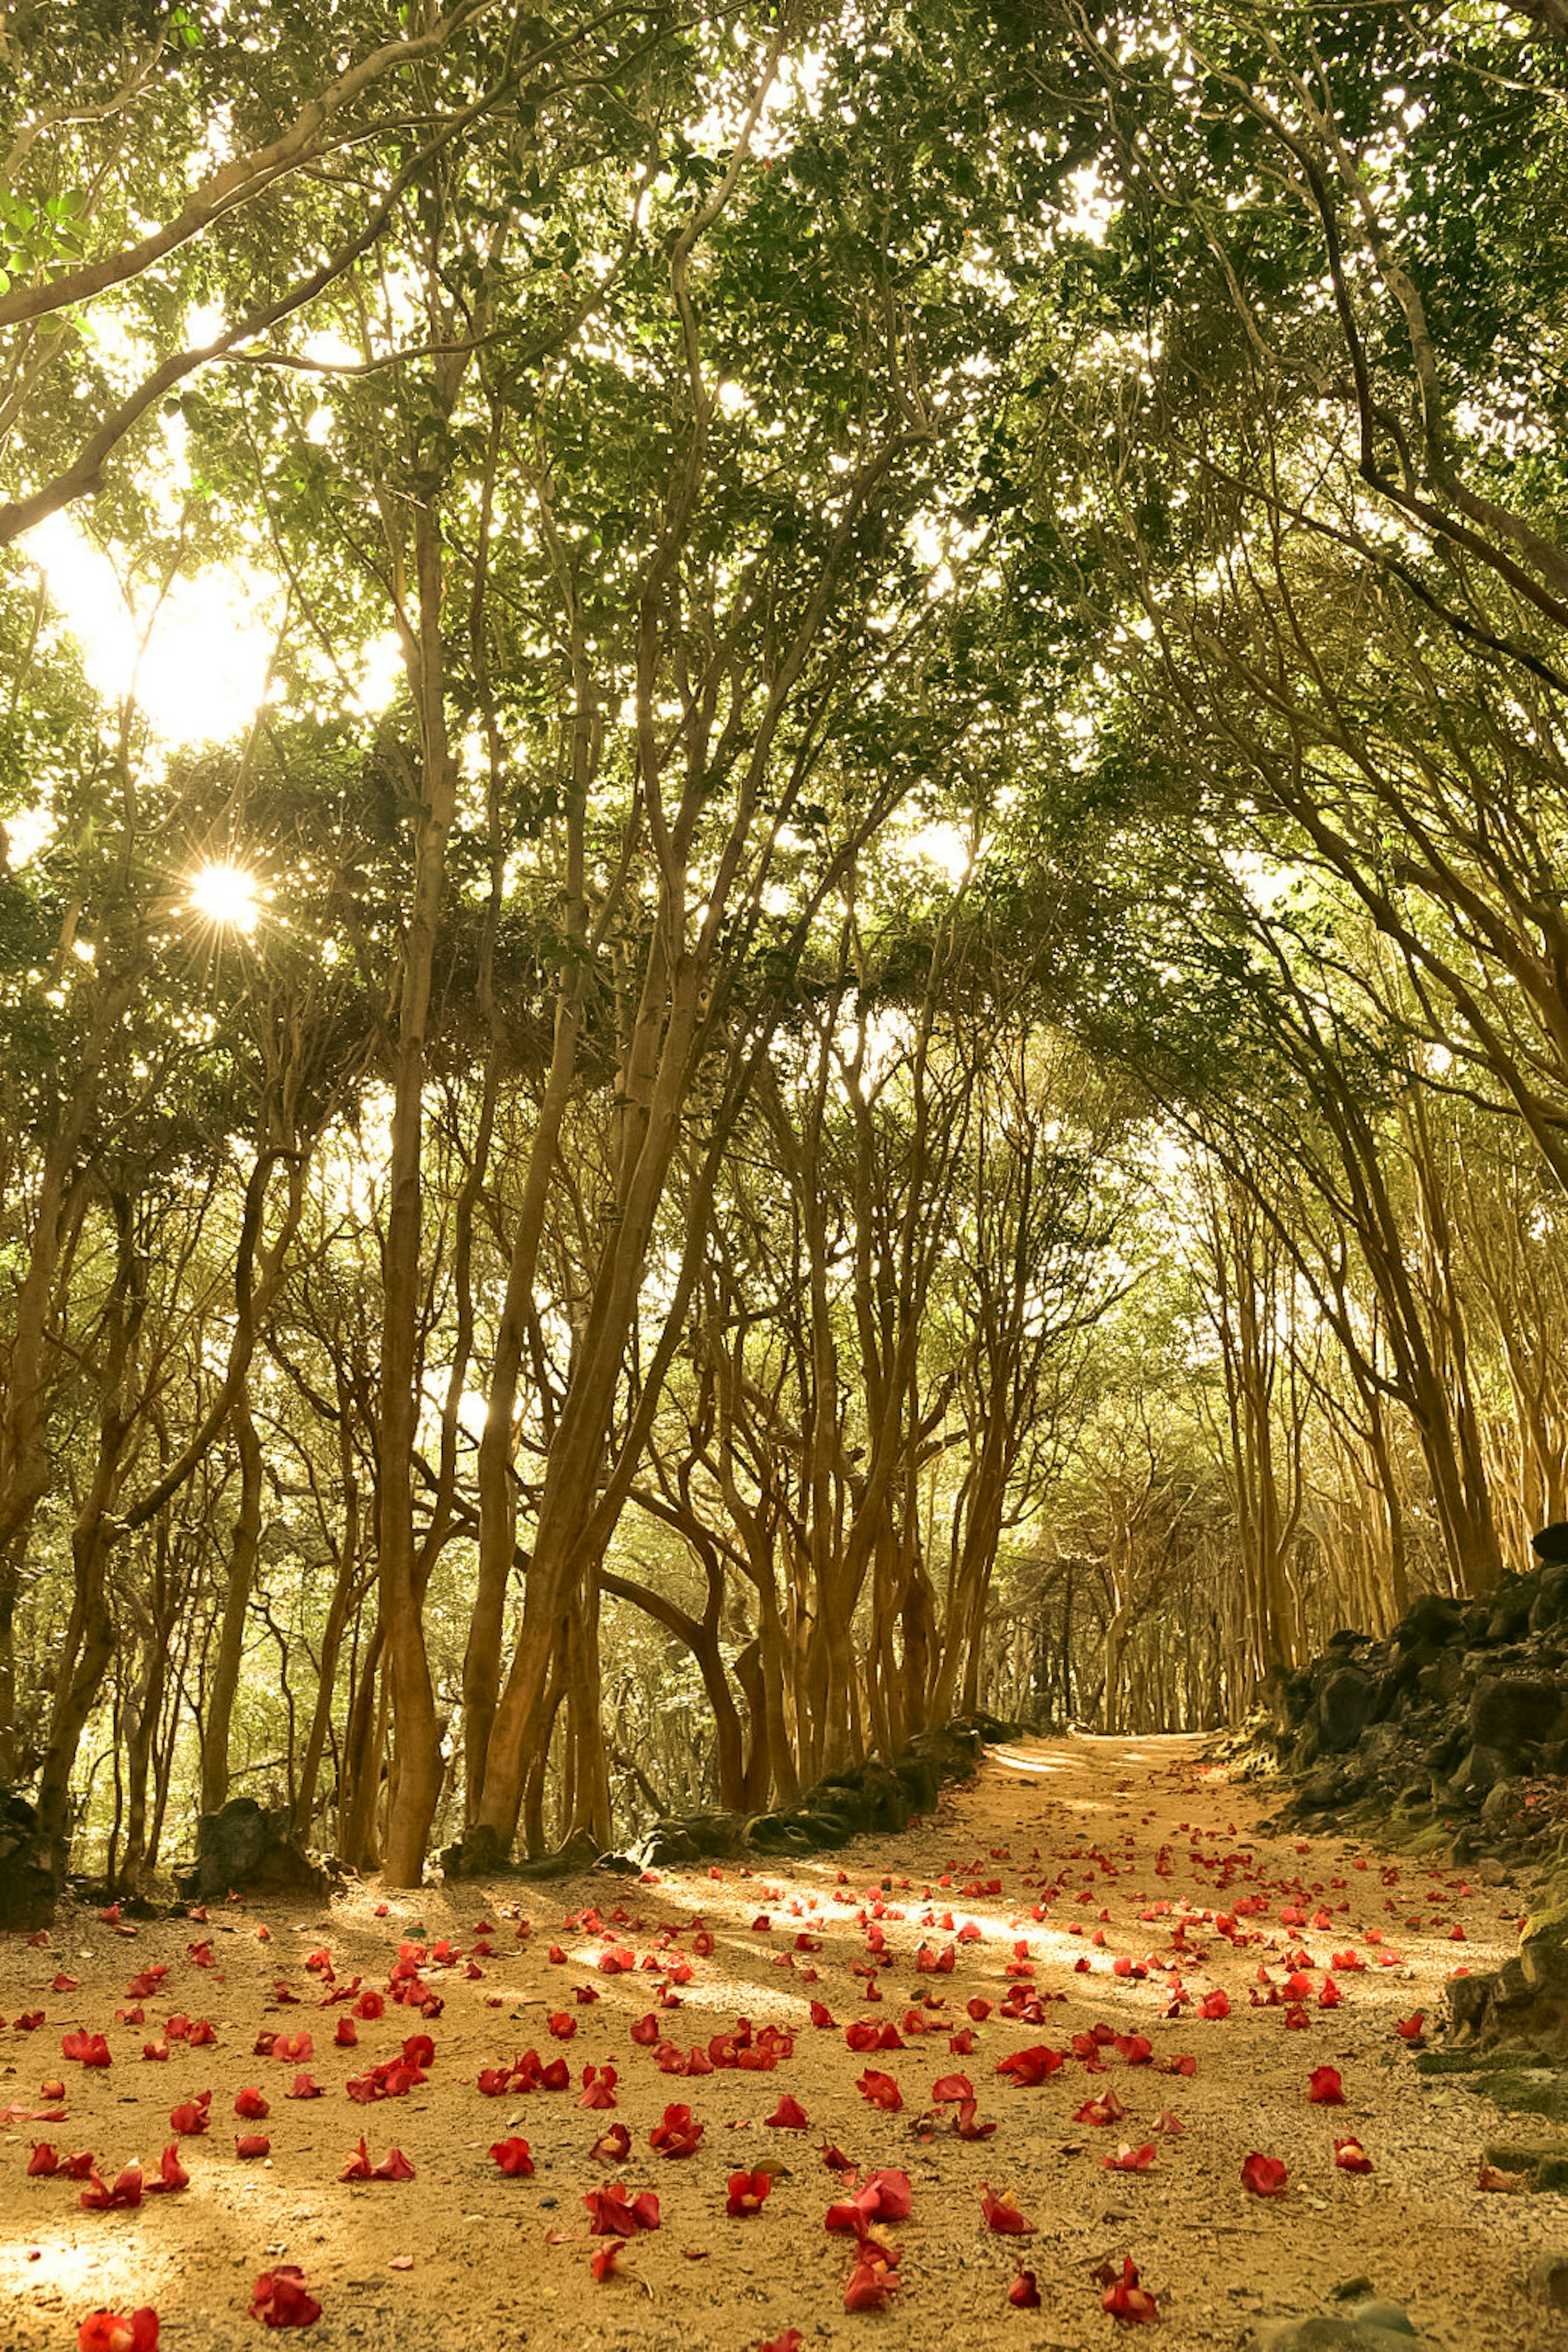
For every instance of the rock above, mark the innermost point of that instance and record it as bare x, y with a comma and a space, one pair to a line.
1510, 1615
1511, 1985
868, 1796
1502, 1805
1287, 1697
1332, 1784
1390, 2317
1549, 2280
579, 1852
1443, 1679
481, 1854
1525, 2000
694, 1837
921, 1780
1491, 1872
1361, 2327
871, 1796
1444, 1753
1510, 1711
1479, 1770
1344, 1708
1470, 2000
1515, 2156
1434, 1619
243, 1845
29, 1887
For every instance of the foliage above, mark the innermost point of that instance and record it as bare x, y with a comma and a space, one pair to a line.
903, 1041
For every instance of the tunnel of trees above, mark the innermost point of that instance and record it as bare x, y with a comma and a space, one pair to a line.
867, 1013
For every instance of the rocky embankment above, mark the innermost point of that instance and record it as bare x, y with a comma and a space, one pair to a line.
1452, 1734
1440, 1732
870, 1796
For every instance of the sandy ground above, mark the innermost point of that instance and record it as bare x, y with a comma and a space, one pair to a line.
1068, 1858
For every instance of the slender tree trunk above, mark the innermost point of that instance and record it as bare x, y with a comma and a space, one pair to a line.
223, 1682
359, 1777
417, 1766
89, 1644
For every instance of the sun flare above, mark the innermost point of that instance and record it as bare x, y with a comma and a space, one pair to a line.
226, 896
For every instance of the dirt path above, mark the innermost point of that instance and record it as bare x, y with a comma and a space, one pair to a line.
1069, 1858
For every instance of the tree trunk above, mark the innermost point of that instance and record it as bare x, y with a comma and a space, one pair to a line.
243, 1546
417, 1755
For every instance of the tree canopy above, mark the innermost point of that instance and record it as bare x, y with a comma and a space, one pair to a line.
870, 1017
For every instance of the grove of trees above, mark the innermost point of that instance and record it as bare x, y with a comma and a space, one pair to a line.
875, 1019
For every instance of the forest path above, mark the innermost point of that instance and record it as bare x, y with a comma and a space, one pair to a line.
1069, 1860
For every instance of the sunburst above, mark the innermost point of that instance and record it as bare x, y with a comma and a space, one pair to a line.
228, 897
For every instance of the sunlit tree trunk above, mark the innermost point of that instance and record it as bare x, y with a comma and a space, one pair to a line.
88, 1643
223, 1680
416, 1759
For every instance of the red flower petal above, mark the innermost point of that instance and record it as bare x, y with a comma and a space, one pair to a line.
109, 2331
613, 2214
870, 2283
279, 2299
1107, 2109
677, 2134
1125, 2299
748, 2192
172, 2173
1031, 2066
881, 2091
1003, 2216
1264, 2176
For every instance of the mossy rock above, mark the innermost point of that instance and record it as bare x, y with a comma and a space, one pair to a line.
777, 1834
1452, 2061
1548, 1919
1425, 1837
579, 1852
1524, 2092
29, 1887
1547, 2168
1363, 2327
246, 1846
695, 1837
921, 1782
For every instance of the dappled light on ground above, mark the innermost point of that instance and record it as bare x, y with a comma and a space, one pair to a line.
1087, 2014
